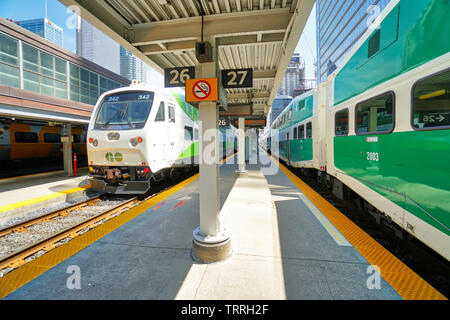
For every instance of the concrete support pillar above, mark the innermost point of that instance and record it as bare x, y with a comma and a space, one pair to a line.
211, 242
67, 150
241, 149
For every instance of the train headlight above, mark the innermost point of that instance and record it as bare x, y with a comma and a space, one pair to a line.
135, 141
94, 142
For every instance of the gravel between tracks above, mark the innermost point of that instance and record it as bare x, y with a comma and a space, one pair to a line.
17, 240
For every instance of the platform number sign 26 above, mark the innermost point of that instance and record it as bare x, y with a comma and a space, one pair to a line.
176, 77
237, 78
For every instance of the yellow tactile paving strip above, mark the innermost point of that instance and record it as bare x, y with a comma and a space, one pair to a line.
400, 277
21, 276
53, 195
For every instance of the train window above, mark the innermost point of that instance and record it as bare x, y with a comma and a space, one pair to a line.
188, 133
171, 114
52, 138
26, 137
376, 114
124, 111
295, 133
374, 43
301, 132
195, 134
431, 102
309, 130
341, 123
161, 115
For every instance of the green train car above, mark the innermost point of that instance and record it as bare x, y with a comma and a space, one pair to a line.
381, 123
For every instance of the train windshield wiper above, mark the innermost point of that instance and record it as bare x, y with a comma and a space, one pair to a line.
124, 113
112, 118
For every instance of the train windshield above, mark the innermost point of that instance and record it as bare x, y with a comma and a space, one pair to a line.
124, 111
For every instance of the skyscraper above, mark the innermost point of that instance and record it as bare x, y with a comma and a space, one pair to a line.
340, 24
131, 67
294, 76
44, 28
278, 105
97, 47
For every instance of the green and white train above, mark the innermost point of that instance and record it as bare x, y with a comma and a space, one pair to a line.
378, 128
141, 134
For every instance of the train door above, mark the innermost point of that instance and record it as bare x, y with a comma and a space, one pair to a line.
161, 140
173, 133
288, 147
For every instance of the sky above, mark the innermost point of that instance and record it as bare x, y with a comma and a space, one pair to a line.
59, 14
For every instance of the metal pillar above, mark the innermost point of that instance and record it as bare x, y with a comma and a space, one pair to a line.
241, 149
211, 242
67, 150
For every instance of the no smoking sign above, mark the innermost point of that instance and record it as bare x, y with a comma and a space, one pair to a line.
199, 90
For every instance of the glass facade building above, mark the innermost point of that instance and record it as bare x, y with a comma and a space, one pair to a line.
294, 76
340, 24
44, 28
97, 47
33, 68
131, 67
278, 105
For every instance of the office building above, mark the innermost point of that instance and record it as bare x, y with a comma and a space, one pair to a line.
97, 47
340, 24
294, 76
44, 28
278, 105
131, 67
42, 70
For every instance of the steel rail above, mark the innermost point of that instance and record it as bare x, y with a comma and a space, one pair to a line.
19, 227
17, 258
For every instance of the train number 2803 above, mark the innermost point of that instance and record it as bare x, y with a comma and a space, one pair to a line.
373, 156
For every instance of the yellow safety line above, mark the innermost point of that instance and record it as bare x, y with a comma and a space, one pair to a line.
21, 276
408, 284
24, 203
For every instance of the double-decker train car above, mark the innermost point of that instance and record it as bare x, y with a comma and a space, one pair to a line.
386, 135
26, 139
140, 133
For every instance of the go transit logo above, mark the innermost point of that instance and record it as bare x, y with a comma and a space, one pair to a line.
116, 157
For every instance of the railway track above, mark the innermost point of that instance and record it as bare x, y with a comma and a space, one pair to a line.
41, 234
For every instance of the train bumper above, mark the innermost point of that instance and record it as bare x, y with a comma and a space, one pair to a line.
129, 187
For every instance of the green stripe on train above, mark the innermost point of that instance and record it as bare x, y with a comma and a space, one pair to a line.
192, 150
409, 168
421, 36
191, 111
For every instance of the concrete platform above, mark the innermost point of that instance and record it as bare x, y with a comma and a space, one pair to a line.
283, 248
21, 195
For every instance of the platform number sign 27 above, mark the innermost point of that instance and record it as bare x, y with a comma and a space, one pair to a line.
237, 78
176, 77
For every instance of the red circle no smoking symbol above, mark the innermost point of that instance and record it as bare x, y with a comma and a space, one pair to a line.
201, 89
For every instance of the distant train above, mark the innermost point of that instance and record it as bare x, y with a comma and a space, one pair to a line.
141, 134
378, 129
23, 139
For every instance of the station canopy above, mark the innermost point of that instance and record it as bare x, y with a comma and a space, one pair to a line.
257, 34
